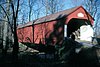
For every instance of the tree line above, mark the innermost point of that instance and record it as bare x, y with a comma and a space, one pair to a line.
14, 12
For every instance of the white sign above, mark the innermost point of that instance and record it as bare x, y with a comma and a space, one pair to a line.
80, 14
86, 33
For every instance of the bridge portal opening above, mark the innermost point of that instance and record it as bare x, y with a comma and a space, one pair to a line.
74, 25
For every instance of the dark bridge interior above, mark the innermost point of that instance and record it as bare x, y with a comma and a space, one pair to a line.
75, 24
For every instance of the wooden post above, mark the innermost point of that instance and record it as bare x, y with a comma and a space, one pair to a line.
65, 31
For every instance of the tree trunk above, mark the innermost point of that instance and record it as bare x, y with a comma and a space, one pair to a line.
4, 50
16, 44
5, 31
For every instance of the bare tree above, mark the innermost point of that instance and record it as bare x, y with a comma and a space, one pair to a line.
76, 2
15, 15
52, 6
33, 11
14, 9
5, 33
92, 6
30, 3
97, 26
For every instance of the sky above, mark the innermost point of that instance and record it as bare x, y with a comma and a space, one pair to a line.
25, 9
67, 4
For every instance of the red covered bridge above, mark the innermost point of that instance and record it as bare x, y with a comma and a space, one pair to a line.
51, 29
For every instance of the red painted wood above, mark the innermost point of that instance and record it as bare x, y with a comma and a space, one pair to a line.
25, 34
51, 31
74, 15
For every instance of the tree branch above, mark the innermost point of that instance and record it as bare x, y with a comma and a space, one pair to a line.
13, 9
5, 13
7, 17
17, 8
